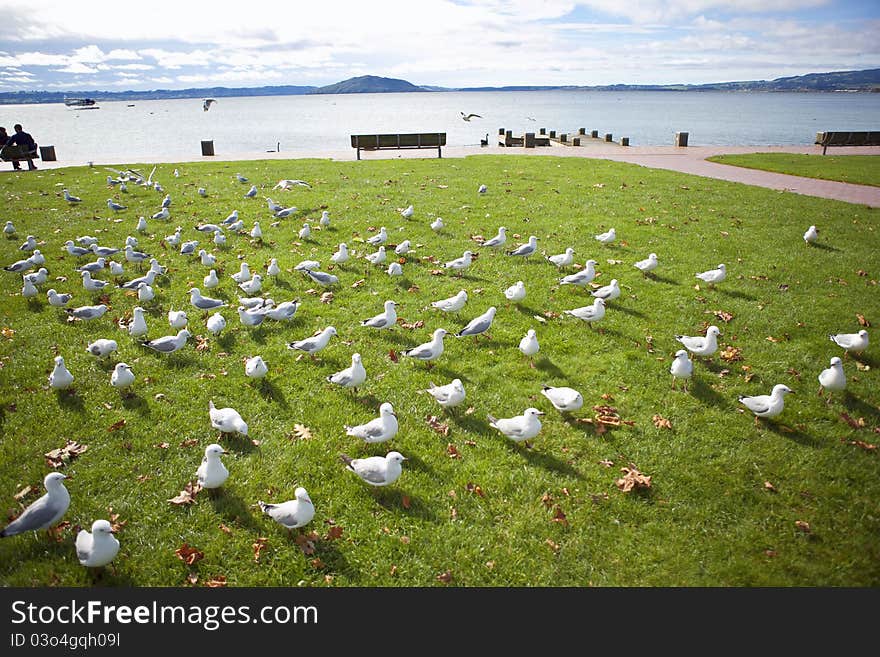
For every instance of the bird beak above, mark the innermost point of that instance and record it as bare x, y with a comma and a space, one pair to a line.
112, 531
224, 452
541, 413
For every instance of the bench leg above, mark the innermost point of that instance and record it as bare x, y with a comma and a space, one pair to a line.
439, 154
359, 153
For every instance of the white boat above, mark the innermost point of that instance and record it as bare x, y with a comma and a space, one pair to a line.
81, 103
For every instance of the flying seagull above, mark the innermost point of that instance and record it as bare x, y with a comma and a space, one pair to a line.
207, 104
468, 117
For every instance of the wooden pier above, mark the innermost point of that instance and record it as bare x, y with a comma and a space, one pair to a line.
544, 138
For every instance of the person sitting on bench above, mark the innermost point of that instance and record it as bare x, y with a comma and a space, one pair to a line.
26, 143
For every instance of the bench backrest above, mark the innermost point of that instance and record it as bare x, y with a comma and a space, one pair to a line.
404, 140
840, 138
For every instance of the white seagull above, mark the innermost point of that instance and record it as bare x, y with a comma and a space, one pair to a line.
607, 292
350, 377
204, 303
449, 395
170, 343
529, 344
226, 420
562, 259
44, 512
315, 343
177, 318
122, 376
60, 378
563, 398
341, 254
525, 250
378, 257
138, 325
607, 237
377, 430
379, 238
857, 342
255, 368
479, 324
376, 470
713, 276
87, 313
102, 347
811, 235
428, 351
649, 264
832, 379
216, 323
291, 514
211, 473
98, 548
519, 428
516, 292
69, 197
453, 304
699, 345
498, 240
766, 405
682, 368
589, 314
460, 264
243, 274
403, 248
58, 300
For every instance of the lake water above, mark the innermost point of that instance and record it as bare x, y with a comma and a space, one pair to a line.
174, 129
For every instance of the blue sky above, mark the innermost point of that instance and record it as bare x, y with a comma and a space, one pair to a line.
169, 44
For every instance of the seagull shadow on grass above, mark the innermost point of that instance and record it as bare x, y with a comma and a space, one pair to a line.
702, 391
237, 442
824, 247
525, 310
271, 392
228, 505
549, 367
440, 372
469, 423
399, 338
662, 279
392, 500
629, 311
334, 559
178, 362
107, 577
864, 359
737, 294
369, 400
69, 400
859, 407
134, 402
258, 335
543, 460
227, 341
283, 284
34, 305
792, 433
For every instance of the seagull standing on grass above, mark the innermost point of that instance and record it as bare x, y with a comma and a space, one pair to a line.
699, 345
857, 342
498, 240
428, 351
460, 264
350, 377
164, 213
682, 368
138, 325
102, 347
122, 376
516, 292
212, 473
437, 224
116, 207
30, 244
403, 248
607, 292
376, 470
216, 323
563, 398
341, 254
562, 259
255, 368
145, 292
92, 284
713, 276
291, 514
449, 395
69, 197
97, 548
243, 274
378, 257
607, 237
177, 318
385, 319
9, 228
323, 278
44, 512
647, 265
226, 420
60, 378
525, 250
452, 304
170, 343
58, 300
204, 303
87, 313
315, 343
283, 312
529, 344
832, 379
811, 235
766, 406
211, 280
407, 212
589, 314
377, 430
379, 238
478, 325
520, 428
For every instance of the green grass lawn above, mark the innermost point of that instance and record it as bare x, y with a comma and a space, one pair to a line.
858, 169
727, 500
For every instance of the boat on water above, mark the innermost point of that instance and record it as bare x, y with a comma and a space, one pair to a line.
81, 103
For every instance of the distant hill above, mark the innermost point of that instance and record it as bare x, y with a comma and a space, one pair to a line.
368, 84
866, 80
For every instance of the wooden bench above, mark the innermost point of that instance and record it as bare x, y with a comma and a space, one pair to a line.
826, 139
17, 153
395, 141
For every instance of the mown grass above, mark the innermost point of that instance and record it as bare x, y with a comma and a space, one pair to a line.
707, 520
857, 169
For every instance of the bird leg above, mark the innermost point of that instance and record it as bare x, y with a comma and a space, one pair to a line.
756, 421
821, 390
673, 383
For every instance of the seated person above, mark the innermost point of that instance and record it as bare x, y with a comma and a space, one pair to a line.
26, 144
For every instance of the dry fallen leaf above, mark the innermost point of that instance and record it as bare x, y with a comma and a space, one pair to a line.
306, 542
440, 427
188, 554
855, 424
475, 489
225, 529
327, 297
731, 354
24, 492
862, 321
216, 582
60, 457
406, 502
188, 494
393, 356
445, 577
661, 422
559, 516
803, 526
301, 432
452, 451
259, 545
632, 478
552, 545
333, 533
769, 486
414, 325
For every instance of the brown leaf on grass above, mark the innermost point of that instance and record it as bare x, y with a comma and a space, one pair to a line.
7, 332
551, 314
632, 478
559, 516
803, 525
162, 445
316, 563
115, 523
553, 545
301, 432
225, 529
770, 338
192, 577
547, 500
606, 462
862, 321
436, 272
187, 495
56, 532
189, 442
661, 422
407, 325
259, 545
731, 354
393, 356
440, 427
413, 289
855, 424
868, 447
58, 458
769, 487
306, 542
327, 297
445, 577
216, 582
189, 555
359, 283
333, 533
862, 272
202, 343
475, 489
723, 315
607, 397
452, 451
406, 502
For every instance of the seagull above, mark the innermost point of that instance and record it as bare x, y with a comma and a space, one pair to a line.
105, 251
383, 320
607, 237
449, 395
478, 325
136, 257
283, 312
58, 300
92, 285
291, 514
207, 104
525, 250
428, 351
86, 240
377, 430
378, 238
403, 248
378, 257
811, 235
516, 292
308, 264
226, 420
315, 343
37, 258
241, 178
102, 347
9, 228
407, 212
208, 228
452, 304
832, 379
252, 192
713, 275
286, 212
38, 277
177, 318
243, 274
188, 248
350, 377
169, 343
29, 290
252, 286
482, 189
219, 238
60, 378
87, 312
341, 254
238, 225
460, 264
122, 376
212, 473
138, 325
305, 232
589, 314
857, 342
255, 368
211, 280
29, 245
166, 202
93, 267
231, 219
563, 398
322, 277
647, 265
256, 231
682, 368
149, 278
69, 197
204, 303
116, 207
174, 239
202, 192
20, 266
145, 292
216, 323
529, 344
77, 251
325, 218
395, 269
437, 224
468, 117
607, 292
699, 345
519, 428
376, 470
251, 317
273, 206
164, 213
98, 548
141, 225
562, 259
273, 269
498, 240
290, 184
766, 405
44, 512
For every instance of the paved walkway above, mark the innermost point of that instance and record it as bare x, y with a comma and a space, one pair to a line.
691, 159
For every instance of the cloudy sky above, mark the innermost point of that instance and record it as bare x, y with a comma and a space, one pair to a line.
170, 44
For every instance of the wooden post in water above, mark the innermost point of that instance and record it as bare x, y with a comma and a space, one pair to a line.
624, 141
608, 136
582, 131
594, 134
563, 137
576, 141
542, 131
552, 134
